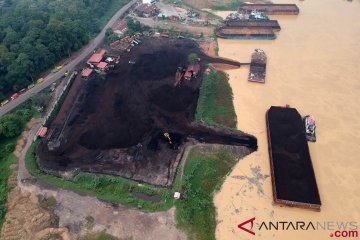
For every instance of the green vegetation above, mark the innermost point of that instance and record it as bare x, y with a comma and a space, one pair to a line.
135, 26
11, 126
203, 175
110, 10
193, 58
215, 103
90, 222
6, 159
107, 188
35, 35
103, 236
233, 6
48, 203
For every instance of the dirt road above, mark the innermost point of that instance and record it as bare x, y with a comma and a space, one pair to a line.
52, 77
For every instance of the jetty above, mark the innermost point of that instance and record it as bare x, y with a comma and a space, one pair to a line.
257, 71
261, 33
271, 9
292, 173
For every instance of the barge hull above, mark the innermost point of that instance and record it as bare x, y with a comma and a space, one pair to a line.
271, 9
293, 178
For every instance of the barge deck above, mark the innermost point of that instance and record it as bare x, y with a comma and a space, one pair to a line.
293, 178
257, 71
271, 9
266, 33
244, 23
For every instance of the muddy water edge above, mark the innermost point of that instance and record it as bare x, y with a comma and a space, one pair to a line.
312, 66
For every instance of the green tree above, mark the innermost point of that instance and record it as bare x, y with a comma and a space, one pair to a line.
193, 58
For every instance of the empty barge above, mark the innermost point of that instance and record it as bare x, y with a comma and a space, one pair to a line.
271, 9
293, 178
261, 33
257, 71
244, 23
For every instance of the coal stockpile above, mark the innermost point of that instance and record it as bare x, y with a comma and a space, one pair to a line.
134, 122
293, 176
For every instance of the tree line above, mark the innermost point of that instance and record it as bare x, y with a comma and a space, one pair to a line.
34, 35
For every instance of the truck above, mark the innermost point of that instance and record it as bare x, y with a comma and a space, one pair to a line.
22, 91
15, 96
4, 103
56, 69
31, 86
40, 80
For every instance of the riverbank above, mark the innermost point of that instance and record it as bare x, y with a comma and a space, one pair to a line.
314, 72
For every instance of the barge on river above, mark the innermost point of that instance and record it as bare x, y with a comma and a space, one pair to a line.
257, 71
292, 173
260, 33
244, 23
271, 9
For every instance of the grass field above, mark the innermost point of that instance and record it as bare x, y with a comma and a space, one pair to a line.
6, 159
233, 6
215, 103
203, 175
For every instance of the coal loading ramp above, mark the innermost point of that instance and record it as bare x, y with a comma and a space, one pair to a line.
293, 177
134, 122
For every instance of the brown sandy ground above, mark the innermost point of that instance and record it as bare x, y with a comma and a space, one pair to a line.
26, 219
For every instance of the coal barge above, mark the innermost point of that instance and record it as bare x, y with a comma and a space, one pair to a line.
271, 9
260, 33
292, 173
244, 23
257, 71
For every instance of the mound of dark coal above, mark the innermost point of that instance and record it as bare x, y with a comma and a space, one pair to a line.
293, 174
134, 123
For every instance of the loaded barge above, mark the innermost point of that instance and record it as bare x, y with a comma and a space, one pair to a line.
261, 33
271, 9
293, 178
257, 71
243, 23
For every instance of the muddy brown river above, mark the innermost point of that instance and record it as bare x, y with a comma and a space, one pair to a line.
313, 65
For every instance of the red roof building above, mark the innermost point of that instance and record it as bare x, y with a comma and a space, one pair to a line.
102, 65
101, 51
95, 58
120, 27
42, 132
146, 9
86, 72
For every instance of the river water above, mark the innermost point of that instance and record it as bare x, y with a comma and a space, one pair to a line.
314, 66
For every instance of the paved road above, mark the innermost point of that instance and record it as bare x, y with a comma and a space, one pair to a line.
51, 78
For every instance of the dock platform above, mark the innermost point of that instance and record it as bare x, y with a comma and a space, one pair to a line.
293, 178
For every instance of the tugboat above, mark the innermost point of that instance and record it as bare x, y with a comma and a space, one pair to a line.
310, 127
258, 66
258, 16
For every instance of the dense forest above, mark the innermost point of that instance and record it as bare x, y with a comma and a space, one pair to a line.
35, 34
